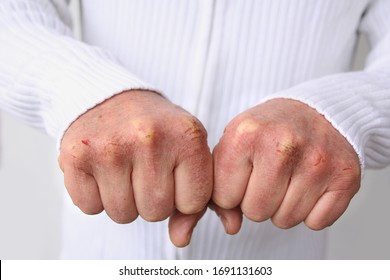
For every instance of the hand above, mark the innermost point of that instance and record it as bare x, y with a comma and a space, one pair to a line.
138, 154
283, 160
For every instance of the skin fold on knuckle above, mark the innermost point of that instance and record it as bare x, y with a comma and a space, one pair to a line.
121, 216
258, 213
196, 205
222, 198
285, 221
155, 214
155, 205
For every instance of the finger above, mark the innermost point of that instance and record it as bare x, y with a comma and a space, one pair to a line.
231, 219
82, 189
193, 181
181, 227
302, 194
328, 209
153, 185
267, 185
117, 193
232, 169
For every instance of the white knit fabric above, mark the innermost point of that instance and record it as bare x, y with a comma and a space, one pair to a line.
214, 58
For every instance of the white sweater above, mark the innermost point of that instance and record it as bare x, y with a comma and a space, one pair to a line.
215, 59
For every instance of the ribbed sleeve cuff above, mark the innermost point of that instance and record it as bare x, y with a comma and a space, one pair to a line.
77, 79
48, 78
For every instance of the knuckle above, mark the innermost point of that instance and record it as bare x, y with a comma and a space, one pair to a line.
224, 199
287, 141
87, 206
246, 125
256, 217
352, 172
284, 222
316, 158
316, 224
257, 214
146, 131
348, 175
191, 129
73, 153
112, 153
193, 207
157, 207
242, 128
155, 215
193, 147
240, 133
317, 162
122, 216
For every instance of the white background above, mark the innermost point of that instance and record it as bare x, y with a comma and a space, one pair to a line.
31, 191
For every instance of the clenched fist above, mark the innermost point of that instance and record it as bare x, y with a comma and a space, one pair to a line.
138, 154
283, 160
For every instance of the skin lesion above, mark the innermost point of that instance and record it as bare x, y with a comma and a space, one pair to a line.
194, 133
85, 142
287, 149
145, 133
247, 126
193, 130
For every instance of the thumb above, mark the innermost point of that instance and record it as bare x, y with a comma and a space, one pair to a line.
230, 218
181, 227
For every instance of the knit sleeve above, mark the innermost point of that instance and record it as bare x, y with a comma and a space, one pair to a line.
48, 78
357, 104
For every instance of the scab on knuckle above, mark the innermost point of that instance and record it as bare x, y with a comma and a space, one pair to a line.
287, 143
144, 132
317, 162
148, 135
191, 130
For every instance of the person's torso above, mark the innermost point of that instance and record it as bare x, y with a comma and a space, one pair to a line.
216, 59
